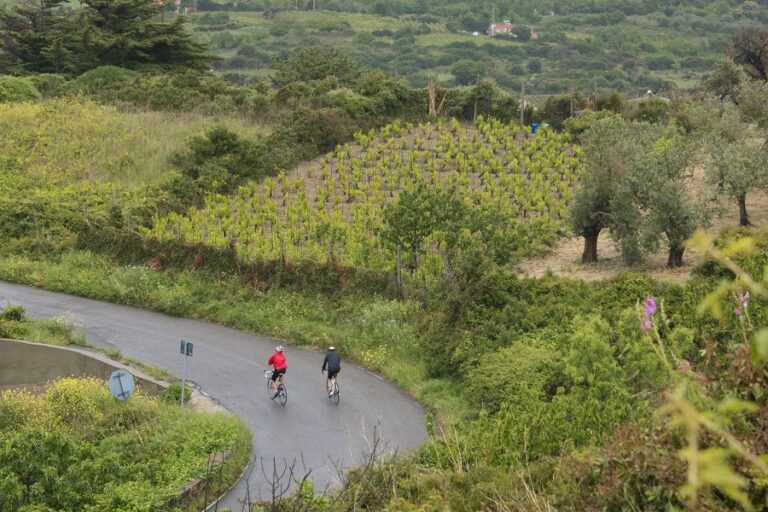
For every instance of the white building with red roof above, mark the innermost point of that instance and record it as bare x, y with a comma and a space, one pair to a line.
500, 28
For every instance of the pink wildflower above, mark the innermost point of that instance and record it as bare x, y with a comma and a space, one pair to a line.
649, 306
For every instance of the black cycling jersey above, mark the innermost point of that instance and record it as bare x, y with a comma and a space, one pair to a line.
332, 361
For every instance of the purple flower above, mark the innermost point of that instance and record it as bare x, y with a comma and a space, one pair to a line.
743, 298
649, 306
684, 366
645, 324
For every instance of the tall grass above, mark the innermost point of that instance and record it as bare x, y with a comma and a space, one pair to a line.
65, 141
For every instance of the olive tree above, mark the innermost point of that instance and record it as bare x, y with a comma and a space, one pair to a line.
738, 161
608, 149
670, 205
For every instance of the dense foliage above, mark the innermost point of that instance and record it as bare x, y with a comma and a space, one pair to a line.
74, 447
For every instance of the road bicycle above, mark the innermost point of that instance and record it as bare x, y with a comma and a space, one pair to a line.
282, 392
334, 394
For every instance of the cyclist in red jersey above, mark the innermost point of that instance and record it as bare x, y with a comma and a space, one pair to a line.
277, 361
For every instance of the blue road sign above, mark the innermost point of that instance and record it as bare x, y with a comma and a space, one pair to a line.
121, 384
186, 348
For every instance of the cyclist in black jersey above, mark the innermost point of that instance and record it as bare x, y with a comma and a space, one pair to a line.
332, 362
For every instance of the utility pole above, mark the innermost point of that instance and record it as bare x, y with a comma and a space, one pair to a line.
522, 104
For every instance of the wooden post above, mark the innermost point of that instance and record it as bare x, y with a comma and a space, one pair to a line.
432, 89
522, 104
399, 272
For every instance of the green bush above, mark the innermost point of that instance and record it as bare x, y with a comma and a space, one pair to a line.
17, 89
13, 313
50, 85
74, 448
103, 77
501, 376
172, 394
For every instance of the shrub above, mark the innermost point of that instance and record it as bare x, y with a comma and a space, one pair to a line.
12, 313
103, 77
50, 85
500, 376
17, 89
172, 394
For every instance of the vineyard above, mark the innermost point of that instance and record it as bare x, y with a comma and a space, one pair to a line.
333, 208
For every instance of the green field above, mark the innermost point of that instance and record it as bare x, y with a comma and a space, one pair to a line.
576, 52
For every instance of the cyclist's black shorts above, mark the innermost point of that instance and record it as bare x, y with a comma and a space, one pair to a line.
277, 373
333, 373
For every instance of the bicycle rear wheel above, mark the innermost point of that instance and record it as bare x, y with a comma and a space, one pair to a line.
282, 394
335, 396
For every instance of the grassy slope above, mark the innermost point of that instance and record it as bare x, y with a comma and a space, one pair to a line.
61, 142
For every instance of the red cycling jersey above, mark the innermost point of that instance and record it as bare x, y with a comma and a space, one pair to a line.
277, 360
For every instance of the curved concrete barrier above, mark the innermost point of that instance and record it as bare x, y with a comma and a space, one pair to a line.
28, 365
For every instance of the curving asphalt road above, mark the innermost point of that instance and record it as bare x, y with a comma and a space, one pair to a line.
228, 365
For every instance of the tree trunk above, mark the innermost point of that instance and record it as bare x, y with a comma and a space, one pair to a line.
590, 246
675, 258
743, 218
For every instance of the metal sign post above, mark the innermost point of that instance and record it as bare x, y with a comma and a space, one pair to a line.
186, 351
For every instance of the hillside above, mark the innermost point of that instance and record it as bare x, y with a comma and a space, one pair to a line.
578, 46
70, 141
515, 186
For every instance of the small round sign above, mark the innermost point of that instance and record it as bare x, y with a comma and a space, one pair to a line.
121, 384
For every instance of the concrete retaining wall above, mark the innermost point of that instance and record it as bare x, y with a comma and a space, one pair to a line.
33, 365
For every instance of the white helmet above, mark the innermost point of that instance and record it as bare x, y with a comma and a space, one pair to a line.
279, 348
331, 348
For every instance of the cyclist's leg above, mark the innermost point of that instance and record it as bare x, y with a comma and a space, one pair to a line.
331, 376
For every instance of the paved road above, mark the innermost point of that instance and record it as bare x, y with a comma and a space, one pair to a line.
228, 365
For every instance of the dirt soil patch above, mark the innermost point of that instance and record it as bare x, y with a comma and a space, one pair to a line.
565, 257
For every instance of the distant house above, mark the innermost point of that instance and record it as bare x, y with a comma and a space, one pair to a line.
500, 28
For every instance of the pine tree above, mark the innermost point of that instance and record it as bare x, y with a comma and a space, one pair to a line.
125, 33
